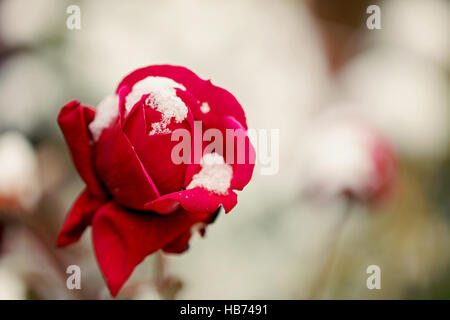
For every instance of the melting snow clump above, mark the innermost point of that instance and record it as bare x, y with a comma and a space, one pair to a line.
214, 176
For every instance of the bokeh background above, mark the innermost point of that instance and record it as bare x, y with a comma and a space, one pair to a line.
288, 63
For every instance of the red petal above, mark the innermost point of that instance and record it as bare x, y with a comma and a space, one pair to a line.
209, 119
74, 120
221, 102
78, 218
155, 151
242, 172
122, 93
180, 244
122, 239
385, 166
121, 169
194, 200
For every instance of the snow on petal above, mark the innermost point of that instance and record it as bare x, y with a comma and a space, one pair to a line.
107, 110
205, 108
162, 97
214, 176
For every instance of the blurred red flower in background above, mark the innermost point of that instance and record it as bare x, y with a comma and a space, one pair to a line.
346, 156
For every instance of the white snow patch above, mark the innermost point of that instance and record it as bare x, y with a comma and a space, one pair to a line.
107, 110
19, 170
162, 98
205, 108
215, 174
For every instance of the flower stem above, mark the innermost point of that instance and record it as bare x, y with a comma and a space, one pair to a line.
38, 232
167, 284
321, 281
160, 268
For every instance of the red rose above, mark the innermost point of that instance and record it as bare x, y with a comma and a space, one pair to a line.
137, 198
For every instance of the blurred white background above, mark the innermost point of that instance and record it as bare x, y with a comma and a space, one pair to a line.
288, 63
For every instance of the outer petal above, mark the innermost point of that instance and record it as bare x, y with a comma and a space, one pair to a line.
121, 169
221, 102
193, 200
209, 119
181, 244
242, 172
122, 239
78, 218
74, 120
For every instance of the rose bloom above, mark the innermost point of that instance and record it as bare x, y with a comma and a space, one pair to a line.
137, 199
